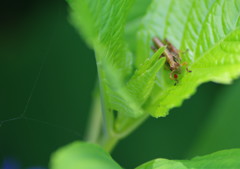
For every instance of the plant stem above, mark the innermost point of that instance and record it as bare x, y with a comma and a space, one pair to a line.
109, 143
106, 113
129, 125
95, 119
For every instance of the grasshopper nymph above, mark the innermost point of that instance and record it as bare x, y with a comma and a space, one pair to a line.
172, 57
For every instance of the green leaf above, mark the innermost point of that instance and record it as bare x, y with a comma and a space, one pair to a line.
209, 29
226, 159
141, 83
80, 155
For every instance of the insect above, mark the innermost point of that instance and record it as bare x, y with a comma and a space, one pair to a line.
172, 57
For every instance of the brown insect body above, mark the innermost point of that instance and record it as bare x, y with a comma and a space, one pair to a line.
172, 57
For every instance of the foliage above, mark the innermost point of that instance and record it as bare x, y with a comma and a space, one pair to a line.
133, 80
208, 29
211, 36
79, 155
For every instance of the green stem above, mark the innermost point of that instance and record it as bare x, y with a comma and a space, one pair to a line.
109, 143
130, 124
95, 120
106, 113
103, 135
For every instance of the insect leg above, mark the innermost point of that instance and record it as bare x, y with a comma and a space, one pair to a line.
158, 42
171, 47
186, 64
169, 57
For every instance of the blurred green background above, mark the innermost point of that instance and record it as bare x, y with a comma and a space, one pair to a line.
43, 58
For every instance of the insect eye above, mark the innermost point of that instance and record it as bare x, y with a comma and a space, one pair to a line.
175, 76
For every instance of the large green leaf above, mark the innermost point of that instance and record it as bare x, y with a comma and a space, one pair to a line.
80, 155
209, 29
226, 159
142, 81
